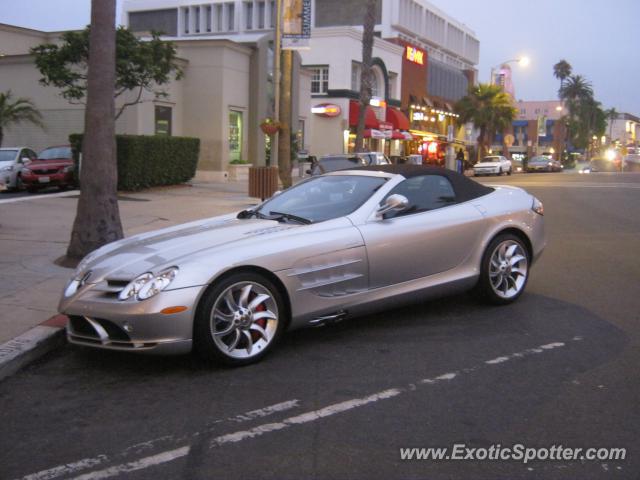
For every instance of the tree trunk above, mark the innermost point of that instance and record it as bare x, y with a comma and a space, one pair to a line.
365, 74
1, 136
284, 138
98, 218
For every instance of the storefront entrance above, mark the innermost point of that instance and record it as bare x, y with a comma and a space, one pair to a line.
235, 136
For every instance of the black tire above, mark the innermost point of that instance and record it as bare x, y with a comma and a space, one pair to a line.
484, 289
18, 186
500, 172
509, 172
209, 348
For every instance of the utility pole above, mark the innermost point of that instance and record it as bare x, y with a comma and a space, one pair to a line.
277, 49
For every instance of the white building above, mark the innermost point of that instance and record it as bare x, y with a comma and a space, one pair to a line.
625, 129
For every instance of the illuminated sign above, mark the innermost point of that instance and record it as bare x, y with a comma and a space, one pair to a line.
377, 102
327, 110
418, 116
414, 55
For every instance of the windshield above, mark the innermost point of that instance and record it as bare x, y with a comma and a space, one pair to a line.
7, 155
540, 159
490, 159
55, 153
323, 198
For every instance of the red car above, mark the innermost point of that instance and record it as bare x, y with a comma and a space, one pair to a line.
53, 168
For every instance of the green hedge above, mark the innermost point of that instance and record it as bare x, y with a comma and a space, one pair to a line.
147, 161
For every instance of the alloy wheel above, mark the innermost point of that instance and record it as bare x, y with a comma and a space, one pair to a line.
244, 320
508, 269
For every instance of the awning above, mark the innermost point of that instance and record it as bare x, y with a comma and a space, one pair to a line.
398, 135
398, 119
370, 119
427, 101
448, 106
379, 134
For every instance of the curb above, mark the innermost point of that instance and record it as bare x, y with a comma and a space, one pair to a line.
31, 345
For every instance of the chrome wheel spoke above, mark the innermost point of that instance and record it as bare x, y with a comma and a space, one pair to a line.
515, 260
249, 341
226, 331
519, 271
244, 296
257, 301
508, 269
257, 328
235, 341
230, 301
266, 315
227, 317
511, 250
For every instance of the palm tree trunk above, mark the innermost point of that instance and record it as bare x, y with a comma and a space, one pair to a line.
284, 138
1, 136
98, 218
365, 75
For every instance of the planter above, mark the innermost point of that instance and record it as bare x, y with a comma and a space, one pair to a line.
270, 128
238, 171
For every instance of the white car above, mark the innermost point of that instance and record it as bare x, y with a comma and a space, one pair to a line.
493, 165
12, 160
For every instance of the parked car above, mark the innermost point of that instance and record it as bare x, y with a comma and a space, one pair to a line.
493, 165
543, 163
53, 167
333, 246
12, 160
332, 163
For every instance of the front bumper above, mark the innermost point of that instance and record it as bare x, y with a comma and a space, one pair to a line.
486, 171
34, 180
101, 321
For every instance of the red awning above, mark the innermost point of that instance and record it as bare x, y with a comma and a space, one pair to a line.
398, 119
370, 120
398, 135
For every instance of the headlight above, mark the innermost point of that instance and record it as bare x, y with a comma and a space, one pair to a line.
537, 206
6, 169
147, 285
67, 169
25, 171
134, 286
78, 281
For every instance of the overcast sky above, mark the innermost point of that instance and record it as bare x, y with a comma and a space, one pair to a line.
599, 39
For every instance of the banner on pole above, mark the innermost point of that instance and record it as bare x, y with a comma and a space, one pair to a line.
296, 24
542, 126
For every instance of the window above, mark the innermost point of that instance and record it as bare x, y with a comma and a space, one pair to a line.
424, 192
186, 20
235, 135
197, 19
218, 21
356, 70
231, 20
272, 9
248, 15
163, 120
208, 18
261, 12
320, 80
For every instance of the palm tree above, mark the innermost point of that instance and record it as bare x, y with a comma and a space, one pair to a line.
20, 110
97, 219
490, 109
612, 115
365, 75
562, 70
576, 89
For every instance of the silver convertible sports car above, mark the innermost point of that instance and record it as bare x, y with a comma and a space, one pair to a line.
333, 246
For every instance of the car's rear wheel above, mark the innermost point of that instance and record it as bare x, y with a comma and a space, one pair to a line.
239, 320
504, 270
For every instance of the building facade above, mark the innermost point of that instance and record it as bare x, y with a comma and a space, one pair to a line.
625, 128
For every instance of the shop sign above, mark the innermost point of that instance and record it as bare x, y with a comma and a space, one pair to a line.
417, 116
327, 110
414, 55
386, 126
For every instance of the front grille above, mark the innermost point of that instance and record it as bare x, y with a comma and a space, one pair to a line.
47, 171
81, 327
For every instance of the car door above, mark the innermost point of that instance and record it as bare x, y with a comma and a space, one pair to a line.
434, 234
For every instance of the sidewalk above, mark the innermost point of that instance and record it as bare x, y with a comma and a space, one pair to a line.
35, 231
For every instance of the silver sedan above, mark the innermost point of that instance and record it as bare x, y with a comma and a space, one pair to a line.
334, 246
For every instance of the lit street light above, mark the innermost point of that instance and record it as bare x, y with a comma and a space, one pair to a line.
522, 61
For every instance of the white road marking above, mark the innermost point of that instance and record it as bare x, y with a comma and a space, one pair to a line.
263, 429
70, 193
85, 463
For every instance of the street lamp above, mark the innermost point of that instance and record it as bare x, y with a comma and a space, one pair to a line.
522, 61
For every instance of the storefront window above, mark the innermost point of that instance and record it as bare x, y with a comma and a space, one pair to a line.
235, 136
163, 120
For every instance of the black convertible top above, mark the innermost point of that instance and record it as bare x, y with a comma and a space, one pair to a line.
465, 188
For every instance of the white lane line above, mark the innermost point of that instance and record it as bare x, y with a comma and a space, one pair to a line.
86, 463
70, 193
307, 417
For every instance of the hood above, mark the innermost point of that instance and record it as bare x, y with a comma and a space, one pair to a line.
48, 164
154, 251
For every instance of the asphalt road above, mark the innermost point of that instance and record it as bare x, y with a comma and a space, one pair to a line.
558, 367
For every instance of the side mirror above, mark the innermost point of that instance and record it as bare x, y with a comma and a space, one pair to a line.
26, 160
393, 202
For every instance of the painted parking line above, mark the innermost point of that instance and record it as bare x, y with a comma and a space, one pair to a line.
93, 462
41, 197
304, 418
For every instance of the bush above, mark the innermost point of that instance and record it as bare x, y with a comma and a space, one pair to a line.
150, 160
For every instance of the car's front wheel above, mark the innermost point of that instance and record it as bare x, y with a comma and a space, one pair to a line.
239, 320
504, 270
